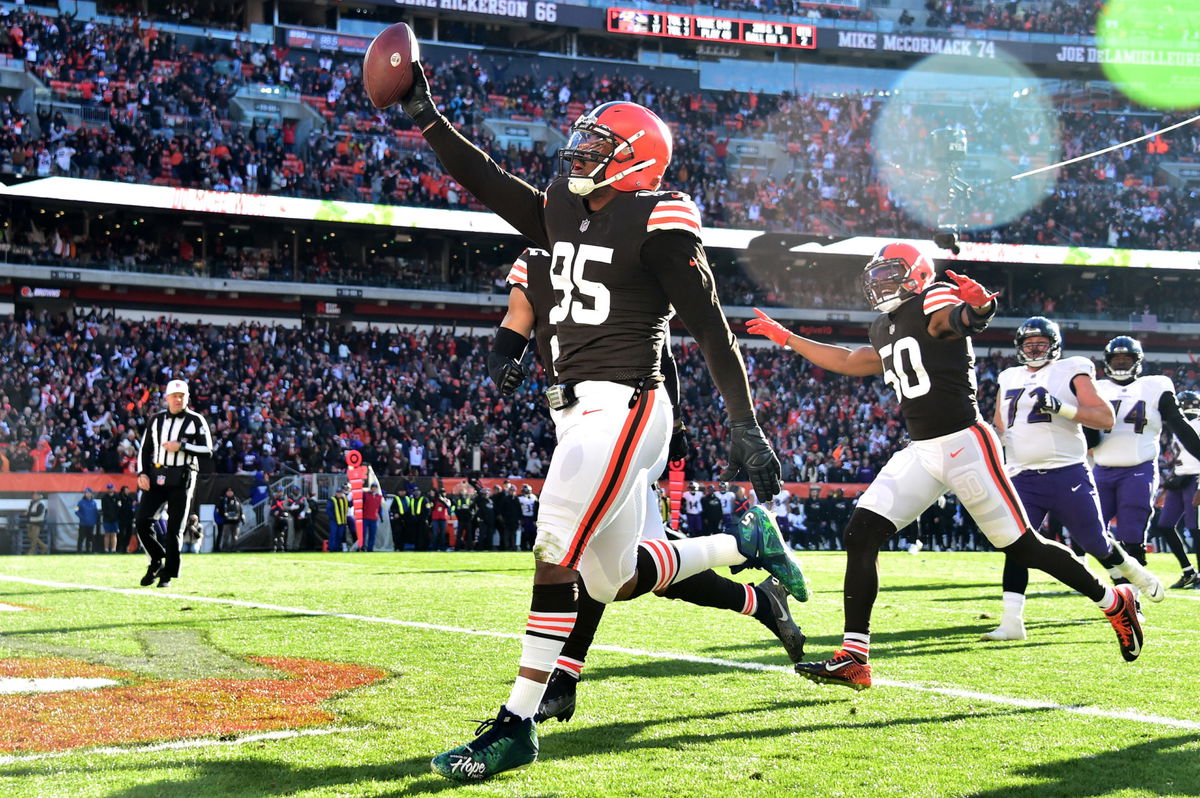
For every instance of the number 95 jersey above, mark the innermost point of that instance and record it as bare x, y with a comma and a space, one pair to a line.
1034, 438
610, 310
934, 378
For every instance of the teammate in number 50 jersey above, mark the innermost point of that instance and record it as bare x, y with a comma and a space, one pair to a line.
921, 344
1041, 409
622, 255
1127, 456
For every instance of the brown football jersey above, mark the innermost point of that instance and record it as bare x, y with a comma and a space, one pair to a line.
611, 314
934, 378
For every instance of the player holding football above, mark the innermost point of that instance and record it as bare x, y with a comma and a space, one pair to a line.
1127, 456
1042, 407
530, 300
921, 344
622, 255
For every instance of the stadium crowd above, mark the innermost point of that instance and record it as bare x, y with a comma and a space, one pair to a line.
1046, 16
75, 391
165, 101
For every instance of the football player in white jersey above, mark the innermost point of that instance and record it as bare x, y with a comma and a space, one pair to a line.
529, 507
728, 503
1126, 457
1041, 408
692, 497
1181, 499
779, 507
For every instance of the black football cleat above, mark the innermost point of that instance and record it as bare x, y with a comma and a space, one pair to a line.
778, 618
151, 573
559, 699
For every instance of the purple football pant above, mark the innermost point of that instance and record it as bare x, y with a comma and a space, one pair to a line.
1070, 495
1178, 504
1127, 492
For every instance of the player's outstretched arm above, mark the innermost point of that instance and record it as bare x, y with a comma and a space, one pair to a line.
507, 195
860, 362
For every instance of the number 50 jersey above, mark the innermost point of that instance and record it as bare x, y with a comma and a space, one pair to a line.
934, 378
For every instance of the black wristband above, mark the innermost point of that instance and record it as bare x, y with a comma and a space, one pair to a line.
975, 323
979, 321
509, 343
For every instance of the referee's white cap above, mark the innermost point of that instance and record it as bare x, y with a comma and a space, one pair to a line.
177, 386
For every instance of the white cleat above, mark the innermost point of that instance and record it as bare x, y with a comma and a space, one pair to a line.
1009, 629
1148, 584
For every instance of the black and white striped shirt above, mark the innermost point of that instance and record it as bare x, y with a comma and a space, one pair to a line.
188, 427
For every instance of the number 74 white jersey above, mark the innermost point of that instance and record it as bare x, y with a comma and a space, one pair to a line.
1134, 437
1035, 439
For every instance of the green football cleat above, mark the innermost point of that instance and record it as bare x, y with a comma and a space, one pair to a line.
760, 542
505, 743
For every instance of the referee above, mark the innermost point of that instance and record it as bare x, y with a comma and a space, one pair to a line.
168, 462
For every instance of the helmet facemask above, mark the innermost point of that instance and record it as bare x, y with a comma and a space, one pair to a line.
1036, 354
1189, 403
887, 285
590, 151
596, 155
1123, 346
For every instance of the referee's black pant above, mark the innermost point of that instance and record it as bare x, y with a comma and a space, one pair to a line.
167, 550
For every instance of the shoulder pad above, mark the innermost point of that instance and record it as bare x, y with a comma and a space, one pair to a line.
518, 275
674, 212
1079, 365
938, 296
1163, 382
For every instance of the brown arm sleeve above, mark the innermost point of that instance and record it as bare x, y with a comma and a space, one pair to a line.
678, 261
507, 195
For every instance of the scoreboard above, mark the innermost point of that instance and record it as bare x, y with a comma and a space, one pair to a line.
721, 30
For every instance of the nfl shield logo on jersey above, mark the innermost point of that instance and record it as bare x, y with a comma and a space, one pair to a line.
160, 480
583, 226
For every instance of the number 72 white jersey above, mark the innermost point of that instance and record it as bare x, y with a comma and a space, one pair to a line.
1133, 439
1035, 439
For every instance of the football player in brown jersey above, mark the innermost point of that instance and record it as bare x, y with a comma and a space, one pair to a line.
623, 254
921, 344
531, 297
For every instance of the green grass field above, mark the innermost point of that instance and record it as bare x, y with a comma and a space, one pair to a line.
246, 678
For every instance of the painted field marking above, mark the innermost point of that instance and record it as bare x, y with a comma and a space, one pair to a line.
1025, 703
11, 685
174, 745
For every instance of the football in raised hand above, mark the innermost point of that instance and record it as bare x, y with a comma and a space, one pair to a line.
387, 65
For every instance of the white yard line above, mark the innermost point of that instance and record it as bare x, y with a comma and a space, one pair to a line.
1026, 703
10, 685
207, 742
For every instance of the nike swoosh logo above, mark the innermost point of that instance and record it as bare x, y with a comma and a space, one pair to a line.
831, 667
1077, 487
597, 410
956, 454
